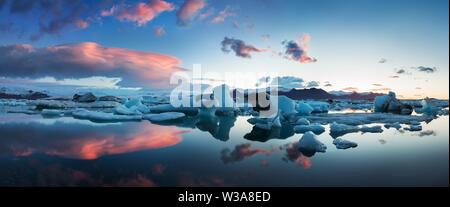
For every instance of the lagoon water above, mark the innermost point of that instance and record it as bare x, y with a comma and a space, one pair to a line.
37, 151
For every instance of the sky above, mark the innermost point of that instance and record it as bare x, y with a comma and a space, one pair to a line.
337, 45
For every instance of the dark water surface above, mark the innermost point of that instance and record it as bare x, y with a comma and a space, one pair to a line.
37, 151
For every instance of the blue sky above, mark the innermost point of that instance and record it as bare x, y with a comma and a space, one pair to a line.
347, 37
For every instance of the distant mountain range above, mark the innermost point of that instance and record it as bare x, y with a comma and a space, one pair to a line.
316, 93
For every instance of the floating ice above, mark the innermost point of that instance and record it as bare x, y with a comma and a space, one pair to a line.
428, 108
52, 112
395, 125
414, 128
304, 108
319, 106
102, 116
12, 103
302, 121
366, 118
341, 129
344, 144
266, 123
315, 128
58, 104
389, 103
309, 145
166, 116
372, 129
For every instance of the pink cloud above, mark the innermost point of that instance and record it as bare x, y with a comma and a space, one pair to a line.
81, 24
88, 59
222, 16
140, 13
188, 10
298, 50
159, 31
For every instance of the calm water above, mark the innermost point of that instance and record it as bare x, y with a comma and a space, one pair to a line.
65, 151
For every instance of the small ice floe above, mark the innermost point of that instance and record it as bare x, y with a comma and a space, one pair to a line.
372, 129
304, 108
302, 121
98, 116
12, 103
85, 98
344, 144
315, 128
443, 112
266, 123
389, 103
58, 104
337, 130
367, 118
52, 113
428, 108
414, 128
319, 106
309, 144
395, 125
166, 116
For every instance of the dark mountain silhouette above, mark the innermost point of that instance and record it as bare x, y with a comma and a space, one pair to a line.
317, 93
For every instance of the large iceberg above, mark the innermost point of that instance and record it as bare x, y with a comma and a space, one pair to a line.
304, 108
132, 107
309, 144
389, 103
319, 106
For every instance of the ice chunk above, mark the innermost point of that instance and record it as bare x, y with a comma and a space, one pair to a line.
304, 108
12, 103
315, 128
285, 104
166, 116
344, 144
266, 123
52, 112
123, 110
389, 103
372, 129
336, 128
366, 118
319, 106
428, 108
414, 128
309, 144
102, 116
302, 121
395, 125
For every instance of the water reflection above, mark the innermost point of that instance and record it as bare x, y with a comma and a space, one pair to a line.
240, 152
263, 135
84, 142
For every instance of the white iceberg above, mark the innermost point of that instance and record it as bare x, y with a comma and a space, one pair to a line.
309, 144
344, 144
315, 128
166, 116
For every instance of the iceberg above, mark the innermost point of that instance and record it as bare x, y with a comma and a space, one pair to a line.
315, 128
395, 125
344, 144
428, 108
372, 129
97, 116
166, 116
336, 128
319, 106
302, 121
123, 110
414, 128
309, 144
266, 123
285, 105
52, 113
304, 108
389, 103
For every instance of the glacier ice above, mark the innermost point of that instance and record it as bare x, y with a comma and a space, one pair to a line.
304, 109
344, 144
302, 121
309, 144
103, 116
315, 128
166, 116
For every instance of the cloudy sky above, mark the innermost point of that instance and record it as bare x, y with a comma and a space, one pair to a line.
350, 45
